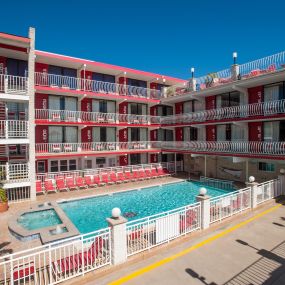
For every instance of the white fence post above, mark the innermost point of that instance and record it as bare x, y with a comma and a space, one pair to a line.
281, 178
254, 191
205, 210
117, 223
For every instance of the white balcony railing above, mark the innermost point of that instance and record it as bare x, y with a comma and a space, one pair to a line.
255, 68
96, 117
232, 147
13, 129
11, 84
242, 111
80, 84
94, 146
18, 172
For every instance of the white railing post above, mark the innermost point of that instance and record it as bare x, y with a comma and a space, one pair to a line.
254, 191
6, 85
281, 178
205, 210
6, 129
117, 225
7, 172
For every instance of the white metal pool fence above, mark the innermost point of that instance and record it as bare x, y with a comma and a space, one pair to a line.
218, 183
65, 259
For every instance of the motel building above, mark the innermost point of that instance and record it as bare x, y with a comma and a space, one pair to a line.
69, 123
66, 115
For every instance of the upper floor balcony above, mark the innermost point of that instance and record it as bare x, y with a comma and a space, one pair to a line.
94, 86
13, 129
94, 118
259, 149
14, 173
248, 112
253, 69
93, 147
15, 85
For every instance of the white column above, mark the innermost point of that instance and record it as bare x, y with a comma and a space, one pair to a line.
175, 163
205, 210
192, 84
253, 185
118, 239
235, 72
281, 177
205, 165
31, 93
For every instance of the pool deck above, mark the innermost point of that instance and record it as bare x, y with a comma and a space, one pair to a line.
9, 244
247, 249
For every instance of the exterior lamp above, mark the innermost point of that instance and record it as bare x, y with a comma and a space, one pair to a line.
163, 80
251, 179
282, 171
116, 213
203, 191
192, 72
235, 57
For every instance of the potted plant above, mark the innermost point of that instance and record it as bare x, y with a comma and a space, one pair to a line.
3, 200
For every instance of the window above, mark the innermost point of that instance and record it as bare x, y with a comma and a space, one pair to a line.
88, 164
137, 109
58, 70
137, 83
101, 160
135, 158
164, 111
228, 100
193, 134
17, 67
268, 167
273, 92
63, 165
54, 166
41, 167
72, 164
103, 77
271, 131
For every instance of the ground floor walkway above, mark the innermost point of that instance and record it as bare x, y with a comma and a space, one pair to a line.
247, 250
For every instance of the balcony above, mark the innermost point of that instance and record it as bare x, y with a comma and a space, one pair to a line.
240, 113
87, 85
11, 84
14, 173
232, 148
244, 71
12, 129
93, 117
65, 148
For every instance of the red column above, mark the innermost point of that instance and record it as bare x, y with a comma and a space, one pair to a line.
41, 134
123, 160
86, 105
86, 135
210, 102
153, 110
123, 135
41, 101
179, 108
153, 135
255, 94
211, 133
122, 81
179, 134
255, 131
153, 158
123, 110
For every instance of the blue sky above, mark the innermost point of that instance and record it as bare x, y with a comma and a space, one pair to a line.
166, 37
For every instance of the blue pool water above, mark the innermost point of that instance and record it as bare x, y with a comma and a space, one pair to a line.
90, 214
39, 219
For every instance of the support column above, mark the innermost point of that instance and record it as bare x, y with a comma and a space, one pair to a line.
31, 132
235, 72
175, 162
246, 169
253, 185
281, 178
205, 208
117, 223
205, 165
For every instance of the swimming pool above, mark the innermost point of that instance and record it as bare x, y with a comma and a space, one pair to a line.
90, 214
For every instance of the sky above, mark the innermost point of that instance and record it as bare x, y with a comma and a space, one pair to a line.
165, 37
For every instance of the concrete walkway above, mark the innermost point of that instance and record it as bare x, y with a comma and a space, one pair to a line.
248, 250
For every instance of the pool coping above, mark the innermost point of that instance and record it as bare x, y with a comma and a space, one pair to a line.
43, 233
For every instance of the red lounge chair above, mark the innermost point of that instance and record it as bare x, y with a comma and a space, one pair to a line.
160, 172
98, 181
121, 178
70, 183
49, 187
80, 183
148, 174
104, 178
134, 235
76, 261
90, 181
24, 272
135, 175
39, 187
127, 176
60, 185
142, 174
113, 178
154, 173
187, 222
166, 172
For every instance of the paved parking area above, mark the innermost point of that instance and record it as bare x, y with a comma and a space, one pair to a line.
248, 250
